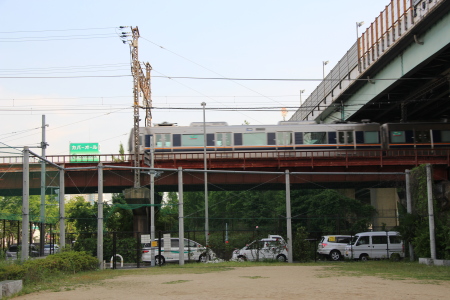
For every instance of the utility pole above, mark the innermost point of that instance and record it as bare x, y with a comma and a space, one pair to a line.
141, 82
43, 186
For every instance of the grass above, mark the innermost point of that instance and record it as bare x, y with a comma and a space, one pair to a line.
403, 270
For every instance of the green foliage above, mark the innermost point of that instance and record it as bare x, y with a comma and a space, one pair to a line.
223, 249
301, 247
125, 246
36, 270
11, 272
329, 212
11, 209
414, 227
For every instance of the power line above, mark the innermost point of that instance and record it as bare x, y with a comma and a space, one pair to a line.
55, 30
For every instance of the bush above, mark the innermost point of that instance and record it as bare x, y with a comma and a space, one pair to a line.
35, 270
225, 250
12, 272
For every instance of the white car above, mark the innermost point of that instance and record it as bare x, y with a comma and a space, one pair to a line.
170, 249
333, 246
273, 247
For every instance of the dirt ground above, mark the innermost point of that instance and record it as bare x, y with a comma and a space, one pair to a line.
284, 282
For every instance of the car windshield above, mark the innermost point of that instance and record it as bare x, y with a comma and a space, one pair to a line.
353, 241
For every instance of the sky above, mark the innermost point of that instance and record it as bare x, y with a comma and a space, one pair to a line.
66, 60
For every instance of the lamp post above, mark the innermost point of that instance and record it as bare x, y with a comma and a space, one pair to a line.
206, 180
301, 92
358, 24
324, 64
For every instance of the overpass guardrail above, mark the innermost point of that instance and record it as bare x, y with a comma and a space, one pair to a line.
294, 157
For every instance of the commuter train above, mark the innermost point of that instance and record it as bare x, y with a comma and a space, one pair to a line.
287, 135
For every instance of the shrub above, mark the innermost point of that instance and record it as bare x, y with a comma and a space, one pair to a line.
35, 270
12, 272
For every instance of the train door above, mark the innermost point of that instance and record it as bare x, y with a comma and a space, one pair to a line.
284, 140
423, 138
162, 141
346, 140
223, 141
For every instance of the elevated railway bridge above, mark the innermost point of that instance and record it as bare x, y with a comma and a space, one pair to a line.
81, 177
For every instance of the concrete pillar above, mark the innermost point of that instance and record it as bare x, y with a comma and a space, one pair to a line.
385, 202
139, 196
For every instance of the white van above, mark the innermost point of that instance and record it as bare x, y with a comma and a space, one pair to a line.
375, 244
170, 249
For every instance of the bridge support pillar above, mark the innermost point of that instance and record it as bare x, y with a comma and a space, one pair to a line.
136, 197
385, 202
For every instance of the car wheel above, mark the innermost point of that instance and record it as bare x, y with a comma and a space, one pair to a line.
160, 260
335, 255
281, 258
364, 257
202, 258
242, 258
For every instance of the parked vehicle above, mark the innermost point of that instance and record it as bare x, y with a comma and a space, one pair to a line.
11, 252
375, 245
272, 247
51, 249
170, 249
333, 246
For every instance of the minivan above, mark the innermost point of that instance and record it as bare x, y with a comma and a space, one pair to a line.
375, 245
170, 249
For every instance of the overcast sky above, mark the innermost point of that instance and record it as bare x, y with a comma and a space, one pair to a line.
65, 60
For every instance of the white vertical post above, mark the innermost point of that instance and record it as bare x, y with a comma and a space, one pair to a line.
409, 207
431, 212
180, 216
288, 216
206, 179
100, 217
25, 203
152, 201
62, 214
43, 186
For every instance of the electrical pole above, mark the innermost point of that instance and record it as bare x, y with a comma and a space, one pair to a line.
141, 82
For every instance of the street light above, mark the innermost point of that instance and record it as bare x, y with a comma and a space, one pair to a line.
301, 92
324, 64
206, 180
358, 24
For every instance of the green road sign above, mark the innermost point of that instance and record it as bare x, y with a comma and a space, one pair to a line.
84, 152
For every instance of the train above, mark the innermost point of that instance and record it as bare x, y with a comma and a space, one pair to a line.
288, 135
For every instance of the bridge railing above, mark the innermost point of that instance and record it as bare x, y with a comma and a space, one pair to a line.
399, 154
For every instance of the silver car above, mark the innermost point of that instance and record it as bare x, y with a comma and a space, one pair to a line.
273, 247
333, 246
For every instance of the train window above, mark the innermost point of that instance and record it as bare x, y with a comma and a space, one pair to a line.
371, 137
284, 138
345, 137
398, 137
254, 139
223, 139
445, 136
422, 136
192, 140
314, 138
162, 140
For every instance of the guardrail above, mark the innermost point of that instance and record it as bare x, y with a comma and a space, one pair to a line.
440, 156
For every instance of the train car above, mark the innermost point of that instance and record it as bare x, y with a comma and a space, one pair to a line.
220, 136
415, 135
